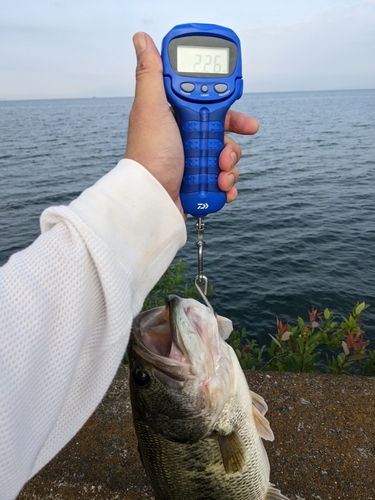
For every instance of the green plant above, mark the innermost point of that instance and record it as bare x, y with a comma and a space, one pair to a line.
354, 347
368, 367
295, 348
249, 354
322, 343
299, 348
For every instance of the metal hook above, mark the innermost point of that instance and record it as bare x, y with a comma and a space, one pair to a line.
201, 278
203, 293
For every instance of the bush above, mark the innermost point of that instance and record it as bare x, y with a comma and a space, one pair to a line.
311, 346
319, 344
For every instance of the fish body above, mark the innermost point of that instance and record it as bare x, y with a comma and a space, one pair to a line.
199, 427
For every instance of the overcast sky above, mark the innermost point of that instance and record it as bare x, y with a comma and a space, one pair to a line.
83, 48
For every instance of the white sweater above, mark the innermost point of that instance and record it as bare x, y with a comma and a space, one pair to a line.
66, 308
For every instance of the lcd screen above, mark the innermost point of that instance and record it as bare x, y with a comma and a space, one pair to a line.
212, 60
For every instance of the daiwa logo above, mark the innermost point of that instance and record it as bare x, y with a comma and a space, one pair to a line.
202, 206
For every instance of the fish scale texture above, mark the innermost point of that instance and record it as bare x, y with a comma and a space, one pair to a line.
198, 473
195, 471
67, 304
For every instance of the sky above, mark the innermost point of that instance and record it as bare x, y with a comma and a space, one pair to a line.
83, 48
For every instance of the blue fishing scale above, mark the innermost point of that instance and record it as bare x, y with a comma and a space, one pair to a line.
202, 79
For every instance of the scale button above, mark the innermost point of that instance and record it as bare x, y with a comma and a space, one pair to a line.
220, 87
204, 88
187, 87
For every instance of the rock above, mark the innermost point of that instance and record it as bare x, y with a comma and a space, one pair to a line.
324, 446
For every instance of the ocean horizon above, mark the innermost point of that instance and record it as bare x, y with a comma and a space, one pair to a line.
18, 99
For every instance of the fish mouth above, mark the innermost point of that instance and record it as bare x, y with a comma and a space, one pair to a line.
171, 338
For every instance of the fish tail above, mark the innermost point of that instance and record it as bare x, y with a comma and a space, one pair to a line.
274, 494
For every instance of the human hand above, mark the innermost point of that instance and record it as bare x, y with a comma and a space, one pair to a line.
154, 139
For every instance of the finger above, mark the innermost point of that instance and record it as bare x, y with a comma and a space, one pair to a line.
231, 194
229, 172
230, 155
240, 123
227, 180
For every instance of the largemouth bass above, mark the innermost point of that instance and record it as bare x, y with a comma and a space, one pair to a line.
199, 427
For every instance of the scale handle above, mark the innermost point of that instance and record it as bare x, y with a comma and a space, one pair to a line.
202, 133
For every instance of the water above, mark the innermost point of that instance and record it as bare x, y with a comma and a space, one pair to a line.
301, 234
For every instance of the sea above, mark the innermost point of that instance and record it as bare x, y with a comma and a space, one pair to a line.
300, 235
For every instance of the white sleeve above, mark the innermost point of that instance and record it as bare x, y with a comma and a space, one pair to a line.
67, 304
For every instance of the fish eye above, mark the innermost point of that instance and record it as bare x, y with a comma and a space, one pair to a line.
140, 377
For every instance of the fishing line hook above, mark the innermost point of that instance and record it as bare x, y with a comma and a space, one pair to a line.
202, 293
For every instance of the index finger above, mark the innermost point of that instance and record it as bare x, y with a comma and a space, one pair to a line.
240, 123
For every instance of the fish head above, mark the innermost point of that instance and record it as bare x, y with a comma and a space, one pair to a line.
180, 369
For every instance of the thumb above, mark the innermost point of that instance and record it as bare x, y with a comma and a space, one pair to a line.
150, 103
149, 87
153, 139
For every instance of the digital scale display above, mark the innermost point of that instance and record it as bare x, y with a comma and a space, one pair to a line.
210, 60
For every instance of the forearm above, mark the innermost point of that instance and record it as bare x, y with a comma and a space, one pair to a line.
67, 306
140, 225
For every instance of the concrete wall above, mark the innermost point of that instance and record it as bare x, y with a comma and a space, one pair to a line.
324, 446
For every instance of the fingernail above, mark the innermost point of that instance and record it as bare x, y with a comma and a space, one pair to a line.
139, 41
233, 157
230, 180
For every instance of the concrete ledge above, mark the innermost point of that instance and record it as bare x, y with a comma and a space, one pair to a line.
324, 447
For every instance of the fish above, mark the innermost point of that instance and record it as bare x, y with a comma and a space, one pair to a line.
199, 426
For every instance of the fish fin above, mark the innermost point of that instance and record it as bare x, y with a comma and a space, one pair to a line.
259, 403
232, 451
261, 423
225, 326
275, 494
